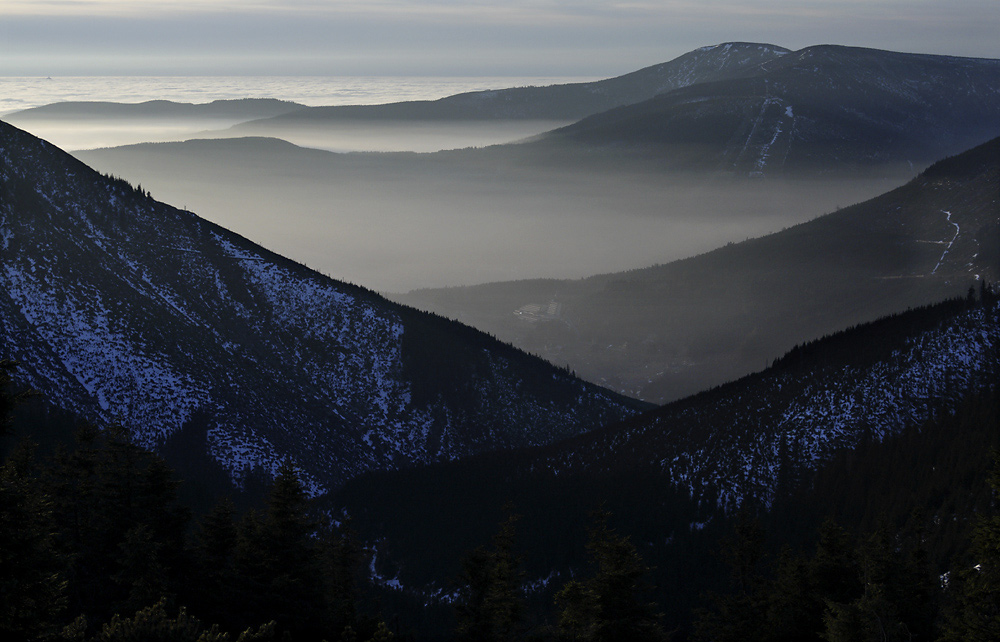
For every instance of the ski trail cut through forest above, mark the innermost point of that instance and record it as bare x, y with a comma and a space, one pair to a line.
950, 243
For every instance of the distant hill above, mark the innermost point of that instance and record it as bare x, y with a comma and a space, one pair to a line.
89, 125
820, 109
243, 109
122, 309
668, 331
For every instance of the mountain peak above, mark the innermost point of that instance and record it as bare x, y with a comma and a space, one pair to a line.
753, 46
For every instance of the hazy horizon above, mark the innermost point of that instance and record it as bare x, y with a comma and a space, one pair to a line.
72, 133
455, 37
497, 227
18, 93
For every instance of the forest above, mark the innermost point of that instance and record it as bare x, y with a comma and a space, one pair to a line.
100, 540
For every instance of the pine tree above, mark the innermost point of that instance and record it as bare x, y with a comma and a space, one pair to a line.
32, 588
493, 602
833, 567
974, 615
264, 633
8, 398
576, 617
342, 562
382, 634
140, 571
610, 605
277, 561
895, 603
154, 624
216, 540
119, 523
740, 614
213, 588
793, 610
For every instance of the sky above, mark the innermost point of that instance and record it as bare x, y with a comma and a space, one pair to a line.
455, 37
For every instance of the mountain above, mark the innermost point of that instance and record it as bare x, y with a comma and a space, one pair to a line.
668, 331
126, 310
820, 109
734, 443
901, 411
751, 109
555, 102
243, 109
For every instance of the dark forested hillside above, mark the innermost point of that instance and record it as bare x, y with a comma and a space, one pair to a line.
124, 309
864, 427
106, 549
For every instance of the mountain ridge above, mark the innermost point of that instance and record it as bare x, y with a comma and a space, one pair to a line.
828, 398
124, 309
555, 102
228, 108
674, 477
824, 103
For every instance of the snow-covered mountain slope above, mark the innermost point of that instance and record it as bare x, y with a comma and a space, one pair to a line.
741, 441
824, 108
124, 309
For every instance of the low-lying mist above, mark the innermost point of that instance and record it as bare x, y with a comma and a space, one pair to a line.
335, 136
397, 136
91, 133
396, 222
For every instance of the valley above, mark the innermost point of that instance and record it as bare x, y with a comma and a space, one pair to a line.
668, 331
585, 348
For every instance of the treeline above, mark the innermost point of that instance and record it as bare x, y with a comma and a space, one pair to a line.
886, 334
931, 477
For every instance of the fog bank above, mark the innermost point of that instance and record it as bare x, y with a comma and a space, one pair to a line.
399, 222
